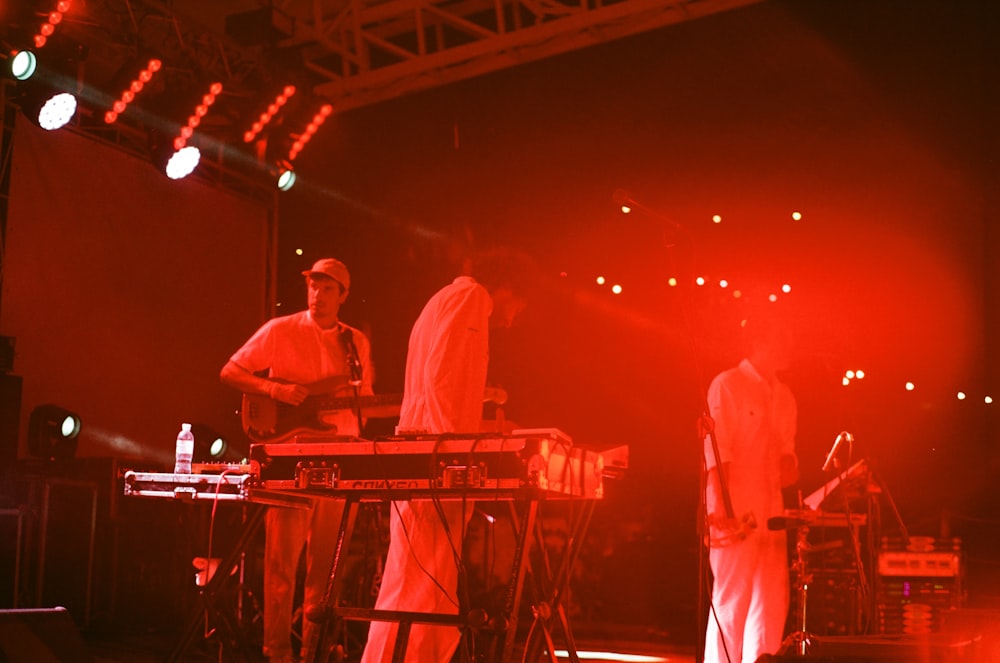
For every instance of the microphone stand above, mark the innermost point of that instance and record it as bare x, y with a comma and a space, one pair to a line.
354, 363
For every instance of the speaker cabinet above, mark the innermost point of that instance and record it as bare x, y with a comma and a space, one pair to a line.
47, 634
10, 418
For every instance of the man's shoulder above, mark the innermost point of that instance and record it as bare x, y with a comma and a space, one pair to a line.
734, 378
282, 323
730, 374
461, 293
355, 332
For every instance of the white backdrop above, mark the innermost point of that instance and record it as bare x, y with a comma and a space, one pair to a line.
126, 292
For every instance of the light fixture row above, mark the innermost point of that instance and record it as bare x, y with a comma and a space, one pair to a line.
50, 102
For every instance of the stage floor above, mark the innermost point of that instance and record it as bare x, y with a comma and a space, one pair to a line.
151, 648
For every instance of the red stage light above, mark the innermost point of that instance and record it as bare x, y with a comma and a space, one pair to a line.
128, 95
267, 116
54, 18
195, 118
311, 129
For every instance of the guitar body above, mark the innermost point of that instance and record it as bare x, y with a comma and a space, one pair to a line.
267, 420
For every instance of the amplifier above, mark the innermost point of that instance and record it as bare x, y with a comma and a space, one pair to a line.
919, 564
920, 557
544, 460
919, 581
224, 486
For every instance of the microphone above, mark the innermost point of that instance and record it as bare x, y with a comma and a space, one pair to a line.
843, 437
624, 199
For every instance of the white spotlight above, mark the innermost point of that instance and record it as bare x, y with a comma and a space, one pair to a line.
23, 65
183, 162
57, 111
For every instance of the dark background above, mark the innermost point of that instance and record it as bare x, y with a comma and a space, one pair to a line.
874, 120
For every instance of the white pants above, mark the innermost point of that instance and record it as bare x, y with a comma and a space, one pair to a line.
287, 531
750, 598
421, 575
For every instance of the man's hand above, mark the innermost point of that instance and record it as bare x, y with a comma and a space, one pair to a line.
293, 394
724, 524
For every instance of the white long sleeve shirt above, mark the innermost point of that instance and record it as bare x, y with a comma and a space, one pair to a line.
755, 424
447, 361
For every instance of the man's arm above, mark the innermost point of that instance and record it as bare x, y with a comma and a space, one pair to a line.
236, 376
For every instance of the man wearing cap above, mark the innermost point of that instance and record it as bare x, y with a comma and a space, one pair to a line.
289, 359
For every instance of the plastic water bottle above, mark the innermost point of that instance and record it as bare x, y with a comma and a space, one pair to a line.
185, 450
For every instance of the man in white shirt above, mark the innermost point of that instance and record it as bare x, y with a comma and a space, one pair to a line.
754, 416
290, 359
445, 382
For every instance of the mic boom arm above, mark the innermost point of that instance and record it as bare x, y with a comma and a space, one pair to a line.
843, 437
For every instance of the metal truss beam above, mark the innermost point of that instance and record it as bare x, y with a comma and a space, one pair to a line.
372, 51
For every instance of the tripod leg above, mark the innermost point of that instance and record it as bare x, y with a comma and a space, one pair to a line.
322, 645
215, 585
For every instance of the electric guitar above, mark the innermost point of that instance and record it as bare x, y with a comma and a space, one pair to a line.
267, 420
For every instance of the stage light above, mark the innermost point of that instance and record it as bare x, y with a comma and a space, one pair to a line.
48, 26
265, 118
286, 176
318, 119
53, 432
47, 107
23, 65
57, 111
194, 119
211, 446
182, 162
135, 86
46, 84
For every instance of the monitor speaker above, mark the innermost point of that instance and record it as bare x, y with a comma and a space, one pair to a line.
41, 634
